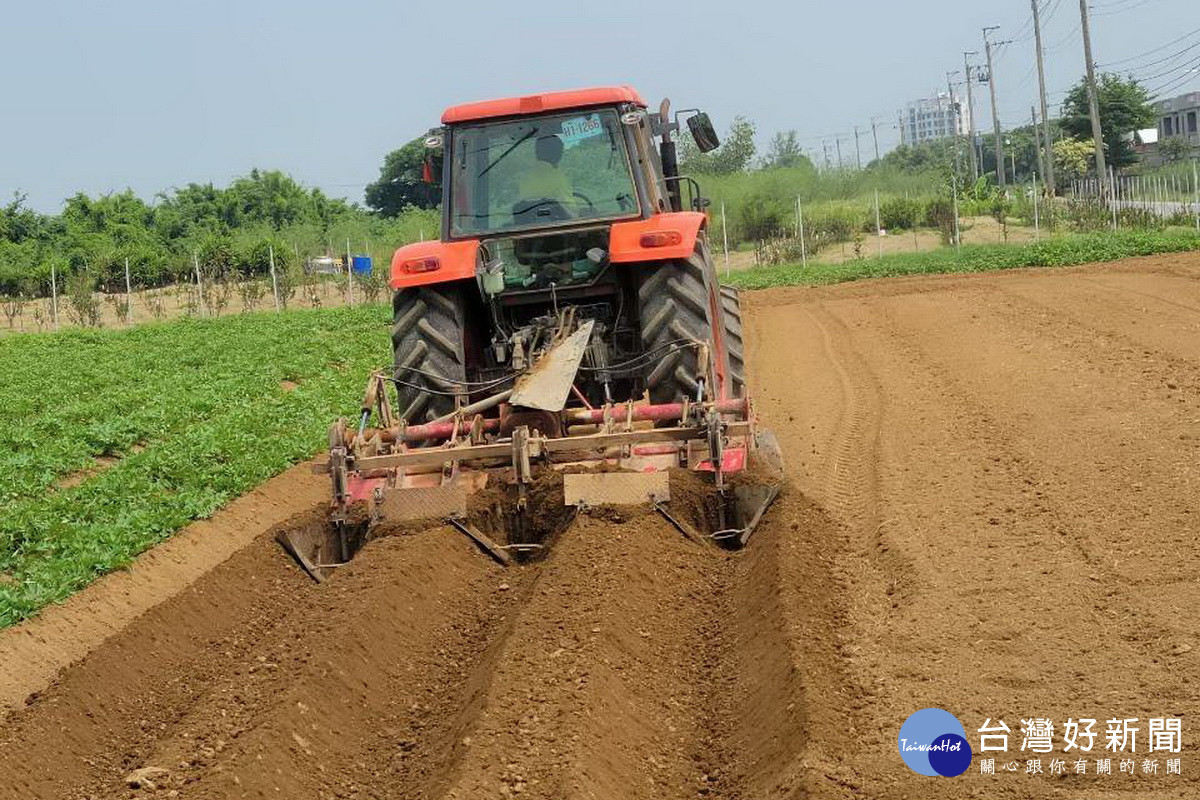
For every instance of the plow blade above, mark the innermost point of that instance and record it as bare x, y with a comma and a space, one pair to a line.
321, 548
316, 548
749, 504
750, 500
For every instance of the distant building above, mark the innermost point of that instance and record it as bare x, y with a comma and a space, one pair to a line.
1180, 116
932, 118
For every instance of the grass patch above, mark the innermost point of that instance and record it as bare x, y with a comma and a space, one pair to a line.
196, 411
1061, 251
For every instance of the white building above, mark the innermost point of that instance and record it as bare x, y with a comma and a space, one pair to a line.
1178, 117
931, 118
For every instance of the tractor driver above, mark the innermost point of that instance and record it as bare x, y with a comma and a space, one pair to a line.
544, 180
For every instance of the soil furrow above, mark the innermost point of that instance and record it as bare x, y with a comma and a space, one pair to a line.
992, 509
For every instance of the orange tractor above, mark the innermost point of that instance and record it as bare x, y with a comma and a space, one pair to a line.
569, 316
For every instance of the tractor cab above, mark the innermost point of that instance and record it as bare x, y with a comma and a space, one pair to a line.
559, 210
540, 181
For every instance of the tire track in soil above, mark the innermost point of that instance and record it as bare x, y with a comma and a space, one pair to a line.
854, 474
1139, 368
1095, 602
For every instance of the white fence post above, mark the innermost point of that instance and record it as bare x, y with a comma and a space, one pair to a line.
800, 224
1037, 221
274, 281
349, 274
724, 237
199, 282
1196, 192
128, 296
54, 295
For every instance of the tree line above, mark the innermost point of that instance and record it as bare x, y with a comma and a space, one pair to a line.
228, 232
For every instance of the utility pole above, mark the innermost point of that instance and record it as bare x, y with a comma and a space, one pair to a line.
1093, 101
825, 147
1042, 155
875, 135
953, 126
971, 114
839, 151
995, 111
952, 118
1048, 158
857, 148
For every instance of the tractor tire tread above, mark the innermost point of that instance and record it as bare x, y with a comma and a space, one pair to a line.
427, 334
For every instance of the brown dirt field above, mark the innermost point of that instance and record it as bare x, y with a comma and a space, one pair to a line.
995, 483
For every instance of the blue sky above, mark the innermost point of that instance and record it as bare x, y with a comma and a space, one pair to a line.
100, 96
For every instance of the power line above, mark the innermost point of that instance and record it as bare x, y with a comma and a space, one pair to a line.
1164, 59
1168, 88
1069, 39
1136, 4
1172, 71
1153, 50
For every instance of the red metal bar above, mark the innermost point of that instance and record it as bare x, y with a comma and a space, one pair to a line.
438, 431
666, 412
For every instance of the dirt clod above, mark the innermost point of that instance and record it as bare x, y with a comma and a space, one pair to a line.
147, 778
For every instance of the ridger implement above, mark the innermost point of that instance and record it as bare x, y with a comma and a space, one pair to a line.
566, 333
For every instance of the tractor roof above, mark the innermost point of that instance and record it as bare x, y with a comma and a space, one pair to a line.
539, 103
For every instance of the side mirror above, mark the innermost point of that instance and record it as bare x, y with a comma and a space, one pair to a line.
700, 203
703, 133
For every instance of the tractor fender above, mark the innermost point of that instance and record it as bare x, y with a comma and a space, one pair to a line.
423, 263
662, 237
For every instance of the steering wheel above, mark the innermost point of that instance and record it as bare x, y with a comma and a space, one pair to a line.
591, 206
552, 209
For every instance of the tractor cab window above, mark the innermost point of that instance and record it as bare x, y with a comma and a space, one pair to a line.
539, 172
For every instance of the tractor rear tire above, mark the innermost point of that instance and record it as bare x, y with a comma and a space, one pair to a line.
731, 308
427, 335
674, 305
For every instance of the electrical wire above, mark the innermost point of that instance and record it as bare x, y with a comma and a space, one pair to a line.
1160, 92
1153, 50
1184, 66
439, 393
1162, 60
1114, 10
637, 361
475, 387
435, 376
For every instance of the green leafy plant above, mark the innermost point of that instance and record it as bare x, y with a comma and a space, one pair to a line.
83, 308
193, 411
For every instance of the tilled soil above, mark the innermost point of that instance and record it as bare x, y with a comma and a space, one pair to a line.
993, 500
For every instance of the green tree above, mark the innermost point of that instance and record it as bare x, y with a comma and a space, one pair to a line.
18, 223
761, 217
785, 151
401, 183
1073, 160
1124, 107
734, 155
921, 157
1174, 148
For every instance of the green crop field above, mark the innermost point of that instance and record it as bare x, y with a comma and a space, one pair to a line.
195, 412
